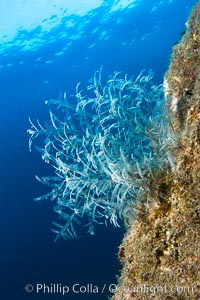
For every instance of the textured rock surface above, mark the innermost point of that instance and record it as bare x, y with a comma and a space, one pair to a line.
160, 252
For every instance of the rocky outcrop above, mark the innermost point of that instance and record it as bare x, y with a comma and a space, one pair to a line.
160, 252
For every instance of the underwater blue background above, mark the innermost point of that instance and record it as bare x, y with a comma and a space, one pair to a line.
125, 40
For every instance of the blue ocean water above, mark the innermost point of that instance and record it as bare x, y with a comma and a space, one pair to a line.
36, 66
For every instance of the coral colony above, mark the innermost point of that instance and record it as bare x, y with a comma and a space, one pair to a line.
107, 150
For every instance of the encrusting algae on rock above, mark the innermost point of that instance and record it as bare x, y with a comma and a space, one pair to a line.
160, 252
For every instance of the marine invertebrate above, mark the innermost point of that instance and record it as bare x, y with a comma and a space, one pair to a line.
106, 150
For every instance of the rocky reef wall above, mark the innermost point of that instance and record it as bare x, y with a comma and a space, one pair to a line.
160, 252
